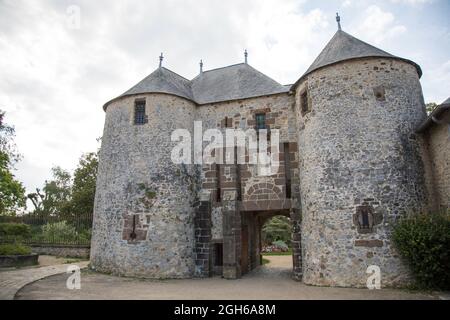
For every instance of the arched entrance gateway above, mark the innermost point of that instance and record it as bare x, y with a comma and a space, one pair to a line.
232, 210
254, 238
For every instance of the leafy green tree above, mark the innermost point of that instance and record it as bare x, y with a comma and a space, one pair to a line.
66, 197
55, 197
12, 192
84, 182
277, 229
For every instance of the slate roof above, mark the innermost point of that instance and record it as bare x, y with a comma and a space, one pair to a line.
344, 47
434, 115
240, 81
232, 83
162, 80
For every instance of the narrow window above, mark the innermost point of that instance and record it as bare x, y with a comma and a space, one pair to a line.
238, 175
260, 121
218, 254
287, 169
365, 220
219, 190
304, 103
139, 112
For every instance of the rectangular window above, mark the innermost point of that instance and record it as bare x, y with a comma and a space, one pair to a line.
260, 121
218, 253
238, 175
287, 169
365, 220
139, 112
304, 103
218, 189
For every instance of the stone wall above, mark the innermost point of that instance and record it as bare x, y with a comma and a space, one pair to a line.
437, 138
360, 166
62, 251
140, 189
280, 114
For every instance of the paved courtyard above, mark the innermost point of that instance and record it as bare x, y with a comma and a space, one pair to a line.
270, 282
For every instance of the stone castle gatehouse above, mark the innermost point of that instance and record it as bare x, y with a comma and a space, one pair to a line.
357, 153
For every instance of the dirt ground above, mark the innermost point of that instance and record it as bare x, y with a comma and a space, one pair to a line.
270, 282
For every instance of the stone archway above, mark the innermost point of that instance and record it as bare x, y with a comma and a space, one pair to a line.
251, 244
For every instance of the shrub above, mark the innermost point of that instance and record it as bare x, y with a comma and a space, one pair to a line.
19, 230
59, 231
14, 249
424, 242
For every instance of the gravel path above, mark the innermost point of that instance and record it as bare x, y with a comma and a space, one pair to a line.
271, 282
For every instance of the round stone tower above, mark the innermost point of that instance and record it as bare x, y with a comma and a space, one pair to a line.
360, 166
143, 216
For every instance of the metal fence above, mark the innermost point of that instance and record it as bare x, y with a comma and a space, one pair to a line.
70, 230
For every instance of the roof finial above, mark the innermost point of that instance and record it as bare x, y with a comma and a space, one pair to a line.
338, 19
201, 66
161, 58
246, 56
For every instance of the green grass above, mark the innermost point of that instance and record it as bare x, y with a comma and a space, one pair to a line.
271, 254
265, 261
14, 249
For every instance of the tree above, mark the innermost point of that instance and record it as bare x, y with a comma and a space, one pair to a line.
55, 197
277, 229
66, 197
84, 182
430, 107
12, 192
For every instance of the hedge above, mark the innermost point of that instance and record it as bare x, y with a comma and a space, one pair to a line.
424, 242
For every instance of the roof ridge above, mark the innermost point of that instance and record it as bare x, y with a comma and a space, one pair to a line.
175, 73
215, 69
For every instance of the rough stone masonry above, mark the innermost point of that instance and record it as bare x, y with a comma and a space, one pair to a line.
357, 154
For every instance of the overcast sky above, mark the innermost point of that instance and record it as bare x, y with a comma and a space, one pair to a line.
55, 77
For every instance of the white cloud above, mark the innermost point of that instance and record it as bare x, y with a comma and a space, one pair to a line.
413, 2
346, 3
379, 25
435, 81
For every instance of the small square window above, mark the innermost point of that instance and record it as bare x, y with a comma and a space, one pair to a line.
139, 112
364, 219
260, 121
227, 123
379, 93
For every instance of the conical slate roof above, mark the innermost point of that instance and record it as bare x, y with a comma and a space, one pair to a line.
344, 47
235, 82
232, 83
446, 102
163, 80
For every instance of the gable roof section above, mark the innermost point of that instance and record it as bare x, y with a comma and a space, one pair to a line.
235, 82
344, 47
